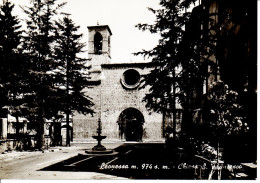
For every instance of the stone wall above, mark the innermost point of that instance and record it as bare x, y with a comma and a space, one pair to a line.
84, 126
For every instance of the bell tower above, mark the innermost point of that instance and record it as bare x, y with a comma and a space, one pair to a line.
99, 45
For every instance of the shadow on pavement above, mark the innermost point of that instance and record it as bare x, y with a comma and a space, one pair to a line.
134, 161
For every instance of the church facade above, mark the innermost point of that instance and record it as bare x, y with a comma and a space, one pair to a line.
115, 91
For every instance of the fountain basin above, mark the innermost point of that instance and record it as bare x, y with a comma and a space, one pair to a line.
102, 152
99, 149
99, 138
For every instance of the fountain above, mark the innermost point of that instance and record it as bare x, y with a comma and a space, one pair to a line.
99, 149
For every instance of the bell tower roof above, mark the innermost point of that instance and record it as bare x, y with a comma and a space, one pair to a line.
100, 27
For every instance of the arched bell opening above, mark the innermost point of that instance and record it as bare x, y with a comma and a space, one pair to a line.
98, 40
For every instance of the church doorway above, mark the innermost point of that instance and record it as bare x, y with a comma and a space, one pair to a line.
130, 123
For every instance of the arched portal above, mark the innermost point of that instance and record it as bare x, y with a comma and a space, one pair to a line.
130, 123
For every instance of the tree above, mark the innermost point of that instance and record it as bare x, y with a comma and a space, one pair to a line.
12, 62
225, 115
163, 80
72, 69
42, 94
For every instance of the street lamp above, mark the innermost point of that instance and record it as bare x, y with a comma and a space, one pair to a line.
101, 77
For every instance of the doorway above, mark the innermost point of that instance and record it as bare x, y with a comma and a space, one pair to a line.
130, 123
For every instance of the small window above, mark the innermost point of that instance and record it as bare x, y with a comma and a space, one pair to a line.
130, 79
98, 39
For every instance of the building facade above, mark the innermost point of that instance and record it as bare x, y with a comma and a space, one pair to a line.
117, 96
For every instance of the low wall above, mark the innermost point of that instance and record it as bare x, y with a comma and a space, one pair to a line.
13, 144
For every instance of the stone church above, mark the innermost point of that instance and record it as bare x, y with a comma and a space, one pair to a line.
115, 91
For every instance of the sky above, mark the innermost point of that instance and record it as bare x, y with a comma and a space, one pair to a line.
120, 15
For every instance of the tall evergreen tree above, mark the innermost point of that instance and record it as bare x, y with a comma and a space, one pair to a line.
164, 79
72, 69
38, 45
12, 62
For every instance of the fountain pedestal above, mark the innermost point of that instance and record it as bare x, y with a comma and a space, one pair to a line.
99, 149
